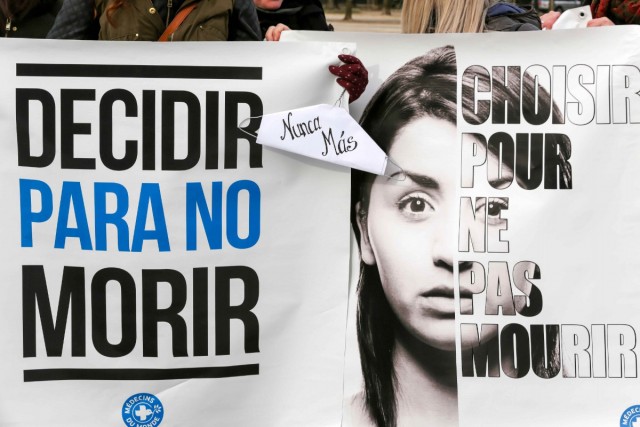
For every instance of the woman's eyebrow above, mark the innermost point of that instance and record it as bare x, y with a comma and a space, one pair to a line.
502, 182
422, 180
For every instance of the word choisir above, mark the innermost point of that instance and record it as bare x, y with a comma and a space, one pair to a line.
582, 94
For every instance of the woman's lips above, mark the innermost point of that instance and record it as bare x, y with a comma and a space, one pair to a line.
440, 301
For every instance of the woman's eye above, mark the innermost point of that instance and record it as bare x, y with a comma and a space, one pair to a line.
494, 208
415, 206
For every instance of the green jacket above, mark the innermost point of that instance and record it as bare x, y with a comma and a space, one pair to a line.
139, 20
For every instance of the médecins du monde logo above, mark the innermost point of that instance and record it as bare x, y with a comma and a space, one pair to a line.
142, 410
630, 417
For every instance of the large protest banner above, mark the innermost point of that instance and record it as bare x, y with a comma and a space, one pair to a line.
499, 269
159, 266
499, 272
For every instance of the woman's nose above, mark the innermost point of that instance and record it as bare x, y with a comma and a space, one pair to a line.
445, 242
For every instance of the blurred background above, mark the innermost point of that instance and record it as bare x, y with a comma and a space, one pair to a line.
384, 15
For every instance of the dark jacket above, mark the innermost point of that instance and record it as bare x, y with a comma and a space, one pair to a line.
211, 20
508, 17
297, 15
34, 23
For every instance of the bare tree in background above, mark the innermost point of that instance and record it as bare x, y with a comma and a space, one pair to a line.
386, 7
331, 5
348, 10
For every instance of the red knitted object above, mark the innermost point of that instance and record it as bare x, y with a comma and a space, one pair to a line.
619, 11
352, 76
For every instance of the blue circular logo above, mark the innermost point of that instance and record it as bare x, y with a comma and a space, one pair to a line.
142, 410
630, 417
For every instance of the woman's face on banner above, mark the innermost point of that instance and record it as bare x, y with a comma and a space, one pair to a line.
411, 231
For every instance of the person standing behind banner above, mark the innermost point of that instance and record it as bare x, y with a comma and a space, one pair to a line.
406, 225
180, 20
466, 16
294, 14
146, 20
27, 18
605, 13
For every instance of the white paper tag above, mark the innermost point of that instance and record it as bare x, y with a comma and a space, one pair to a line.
327, 133
573, 18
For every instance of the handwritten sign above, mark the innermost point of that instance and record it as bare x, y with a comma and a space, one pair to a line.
327, 133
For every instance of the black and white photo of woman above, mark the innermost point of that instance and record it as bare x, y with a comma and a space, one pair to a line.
406, 230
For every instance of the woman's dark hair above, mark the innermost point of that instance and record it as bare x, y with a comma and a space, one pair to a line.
424, 86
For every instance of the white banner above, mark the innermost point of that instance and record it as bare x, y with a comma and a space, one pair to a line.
499, 279
159, 266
